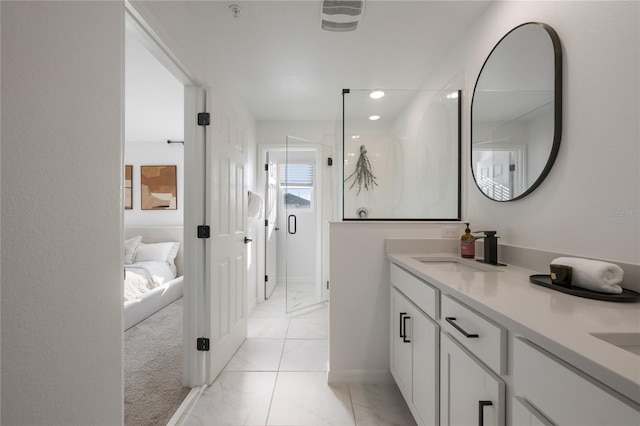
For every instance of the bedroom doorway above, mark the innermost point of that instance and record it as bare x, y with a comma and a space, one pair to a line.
157, 321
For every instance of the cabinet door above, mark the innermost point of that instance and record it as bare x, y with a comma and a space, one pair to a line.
565, 395
524, 414
470, 394
426, 357
401, 363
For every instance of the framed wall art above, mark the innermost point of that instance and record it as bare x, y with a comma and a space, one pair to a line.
159, 188
128, 187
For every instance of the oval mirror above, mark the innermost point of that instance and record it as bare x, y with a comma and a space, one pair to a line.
516, 113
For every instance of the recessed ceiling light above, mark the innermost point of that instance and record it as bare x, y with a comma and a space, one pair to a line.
355, 136
376, 94
452, 95
374, 117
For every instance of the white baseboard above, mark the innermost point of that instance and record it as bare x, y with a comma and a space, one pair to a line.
377, 377
180, 416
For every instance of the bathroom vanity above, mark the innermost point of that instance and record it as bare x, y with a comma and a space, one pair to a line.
474, 344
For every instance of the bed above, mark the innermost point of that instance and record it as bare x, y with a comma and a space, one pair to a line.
153, 275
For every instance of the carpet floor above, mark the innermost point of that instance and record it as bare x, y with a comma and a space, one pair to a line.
153, 388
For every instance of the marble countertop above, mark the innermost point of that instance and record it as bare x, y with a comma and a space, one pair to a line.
558, 322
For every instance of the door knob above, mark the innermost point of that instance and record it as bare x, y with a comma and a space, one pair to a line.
247, 240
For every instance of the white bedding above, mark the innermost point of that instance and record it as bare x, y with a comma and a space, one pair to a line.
141, 277
153, 270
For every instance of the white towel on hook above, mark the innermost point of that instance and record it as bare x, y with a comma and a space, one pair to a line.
254, 209
593, 275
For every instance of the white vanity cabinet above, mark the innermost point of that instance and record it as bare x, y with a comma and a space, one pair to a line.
470, 393
561, 394
455, 363
415, 349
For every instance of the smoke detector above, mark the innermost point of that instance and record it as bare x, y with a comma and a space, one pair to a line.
235, 10
341, 15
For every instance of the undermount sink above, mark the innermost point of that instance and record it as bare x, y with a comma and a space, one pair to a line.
455, 265
627, 341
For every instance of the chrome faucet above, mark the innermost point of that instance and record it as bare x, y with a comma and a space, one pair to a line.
490, 247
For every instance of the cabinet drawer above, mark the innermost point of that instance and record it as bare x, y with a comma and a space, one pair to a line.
480, 336
419, 292
563, 394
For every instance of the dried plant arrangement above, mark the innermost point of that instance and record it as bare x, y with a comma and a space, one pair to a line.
362, 175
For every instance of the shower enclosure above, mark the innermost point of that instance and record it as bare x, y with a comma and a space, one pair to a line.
401, 154
299, 205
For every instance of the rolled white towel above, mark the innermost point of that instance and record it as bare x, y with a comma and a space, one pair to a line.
593, 274
255, 206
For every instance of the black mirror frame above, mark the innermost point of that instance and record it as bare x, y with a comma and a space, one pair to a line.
557, 129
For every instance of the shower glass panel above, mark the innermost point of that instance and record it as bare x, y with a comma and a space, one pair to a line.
401, 154
308, 206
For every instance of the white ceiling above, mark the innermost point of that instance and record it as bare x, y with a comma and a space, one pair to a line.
284, 66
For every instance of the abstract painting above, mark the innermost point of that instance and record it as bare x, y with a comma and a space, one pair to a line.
128, 187
159, 188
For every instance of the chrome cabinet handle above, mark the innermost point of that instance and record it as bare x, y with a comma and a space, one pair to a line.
481, 405
451, 320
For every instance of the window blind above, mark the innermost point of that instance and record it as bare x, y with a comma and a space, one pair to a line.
296, 175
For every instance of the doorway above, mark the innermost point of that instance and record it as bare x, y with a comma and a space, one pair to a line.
298, 207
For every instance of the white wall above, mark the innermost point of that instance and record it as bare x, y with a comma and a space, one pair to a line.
158, 153
573, 211
596, 174
276, 132
359, 306
61, 245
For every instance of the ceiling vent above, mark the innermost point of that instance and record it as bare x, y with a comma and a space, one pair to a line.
341, 15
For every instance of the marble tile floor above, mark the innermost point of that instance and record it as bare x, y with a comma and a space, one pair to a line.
279, 377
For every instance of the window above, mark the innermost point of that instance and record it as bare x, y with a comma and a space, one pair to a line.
296, 181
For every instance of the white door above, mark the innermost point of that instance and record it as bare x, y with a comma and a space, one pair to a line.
401, 349
271, 216
470, 394
226, 206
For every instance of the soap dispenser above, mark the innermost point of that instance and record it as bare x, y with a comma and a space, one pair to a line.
467, 244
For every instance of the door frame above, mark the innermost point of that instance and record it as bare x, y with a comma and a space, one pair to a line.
194, 362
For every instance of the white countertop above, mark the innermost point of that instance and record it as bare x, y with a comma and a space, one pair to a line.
558, 322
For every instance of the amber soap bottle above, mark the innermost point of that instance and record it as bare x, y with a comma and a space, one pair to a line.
467, 248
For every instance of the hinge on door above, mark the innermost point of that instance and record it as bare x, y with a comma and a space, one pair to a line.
266, 222
266, 167
204, 119
266, 278
202, 344
329, 161
204, 231
327, 285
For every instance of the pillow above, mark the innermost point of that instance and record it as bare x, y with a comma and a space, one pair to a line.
130, 247
163, 252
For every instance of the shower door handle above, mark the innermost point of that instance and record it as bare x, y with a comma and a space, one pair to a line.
292, 228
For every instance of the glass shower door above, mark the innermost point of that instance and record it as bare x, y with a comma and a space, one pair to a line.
305, 216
